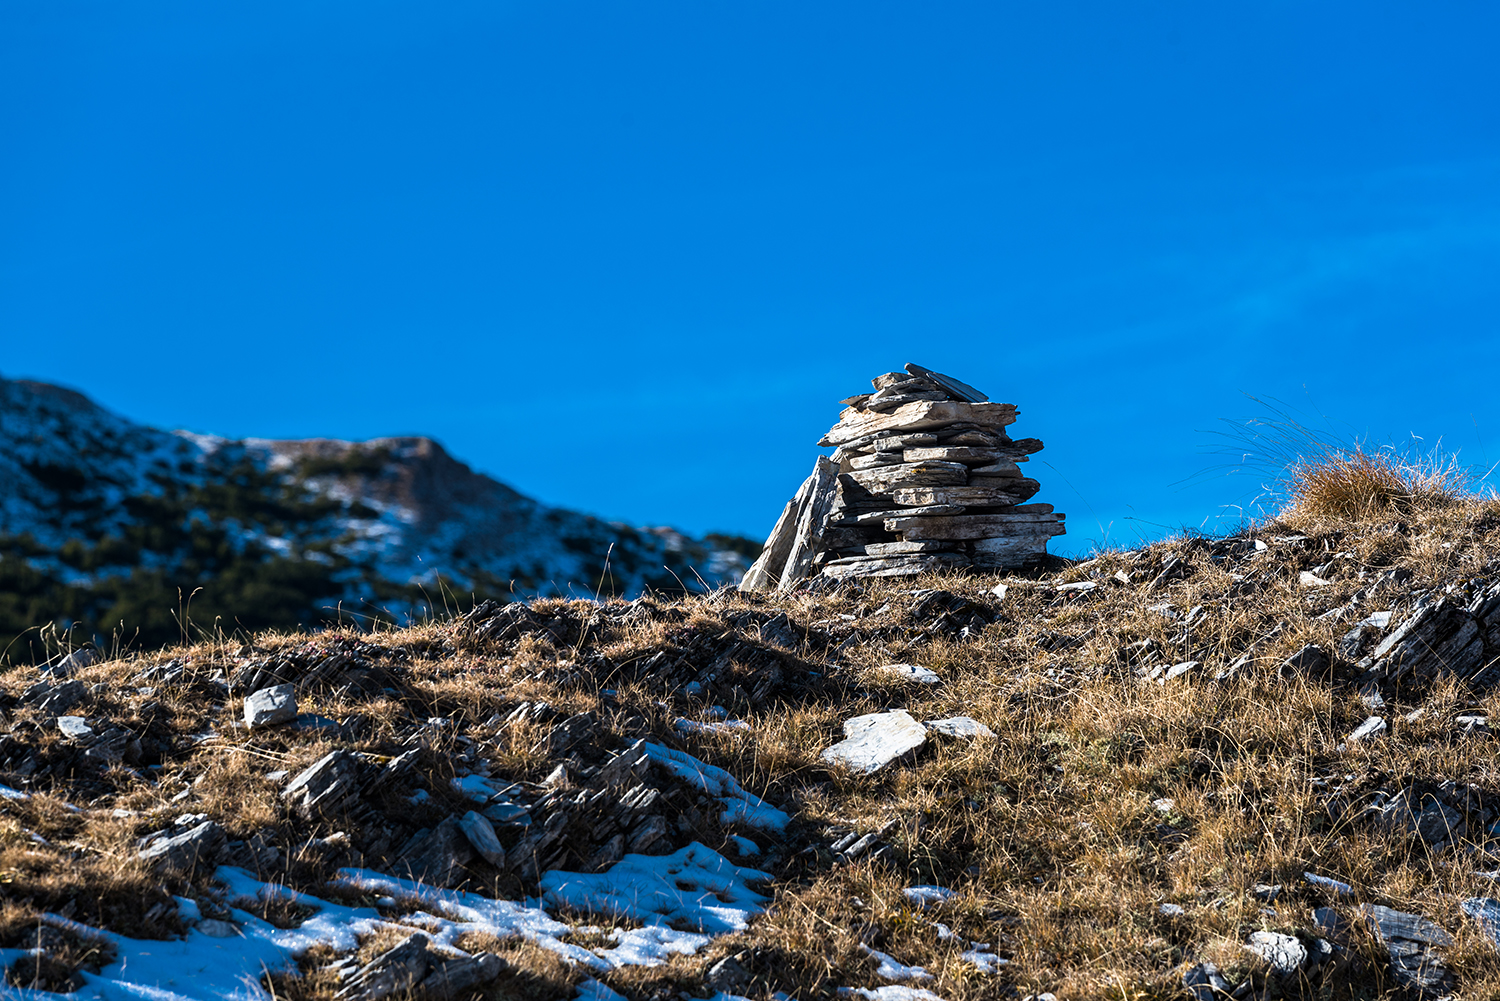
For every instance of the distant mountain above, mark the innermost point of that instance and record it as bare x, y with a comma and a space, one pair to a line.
129, 533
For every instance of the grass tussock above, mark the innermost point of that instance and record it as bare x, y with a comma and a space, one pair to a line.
1352, 485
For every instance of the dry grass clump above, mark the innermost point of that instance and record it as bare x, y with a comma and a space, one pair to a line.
1355, 486
1325, 475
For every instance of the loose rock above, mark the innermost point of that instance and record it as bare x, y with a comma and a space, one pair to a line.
271, 706
875, 740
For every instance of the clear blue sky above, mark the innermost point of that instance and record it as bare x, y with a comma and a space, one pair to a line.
627, 257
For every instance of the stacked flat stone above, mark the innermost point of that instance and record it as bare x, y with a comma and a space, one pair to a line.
924, 477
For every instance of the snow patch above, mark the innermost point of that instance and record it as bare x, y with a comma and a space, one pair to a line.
891, 969
695, 887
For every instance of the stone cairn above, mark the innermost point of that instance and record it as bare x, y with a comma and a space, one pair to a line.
923, 477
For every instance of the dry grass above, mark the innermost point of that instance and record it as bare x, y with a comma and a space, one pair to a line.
1351, 485
1056, 833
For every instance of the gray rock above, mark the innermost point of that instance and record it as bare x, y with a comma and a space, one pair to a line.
436, 857
1485, 911
1422, 814
1370, 728
397, 970
313, 723
1329, 922
481, 835
185, 851
271, 706
72, 663
569, 732
1205, 983
727, 976
959, 726
1312, 660
54, 700
1178, 670
74, 727
327, 785
1284, 953
1328, 883
875, 740
1486, 611
1438, 640
779, 631
1408, 940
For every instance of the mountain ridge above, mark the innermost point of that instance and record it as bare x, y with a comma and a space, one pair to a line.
90, 499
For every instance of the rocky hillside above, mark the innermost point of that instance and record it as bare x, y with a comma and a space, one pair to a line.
1250, 767
103, 522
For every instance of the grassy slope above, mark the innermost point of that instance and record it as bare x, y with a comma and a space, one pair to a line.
1048, 830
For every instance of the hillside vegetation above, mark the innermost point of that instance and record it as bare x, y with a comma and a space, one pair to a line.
1204, 767
118, 533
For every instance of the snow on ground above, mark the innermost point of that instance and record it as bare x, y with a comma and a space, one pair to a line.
210, 967
890, 992
593, 990
739, 805
694, 886
224, 961
891, 968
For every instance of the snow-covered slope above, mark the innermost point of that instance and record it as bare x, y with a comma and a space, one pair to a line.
88, 497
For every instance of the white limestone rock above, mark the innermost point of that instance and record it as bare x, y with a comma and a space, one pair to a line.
875, 740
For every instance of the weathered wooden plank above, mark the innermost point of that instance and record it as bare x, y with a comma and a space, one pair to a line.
915, 497
976, 526
919, 416
969, 455
812, 519
884, 479
960, 390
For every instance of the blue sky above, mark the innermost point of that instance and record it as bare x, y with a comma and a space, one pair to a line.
627, 257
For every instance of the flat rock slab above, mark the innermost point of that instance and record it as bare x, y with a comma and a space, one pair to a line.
910, 672
1486, 911
976, 526
271, 706
959, 726
918, 416
1409, 941
184, 851
875, 740
74, 727
1370, 728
